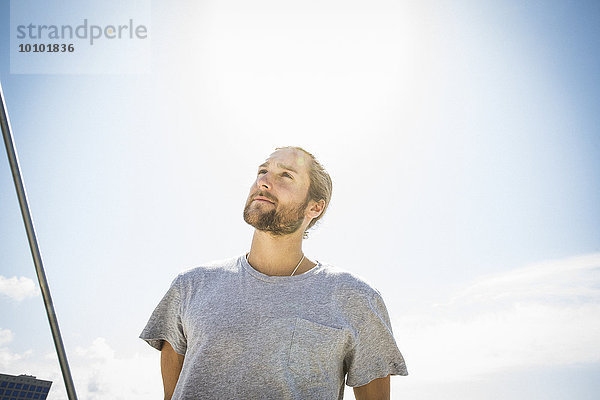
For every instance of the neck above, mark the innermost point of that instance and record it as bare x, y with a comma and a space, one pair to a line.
278, 255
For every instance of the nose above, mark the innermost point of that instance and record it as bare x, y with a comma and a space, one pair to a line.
264, 181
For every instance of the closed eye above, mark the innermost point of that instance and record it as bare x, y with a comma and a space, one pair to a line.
287, 175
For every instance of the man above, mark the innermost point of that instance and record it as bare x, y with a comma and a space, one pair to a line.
272, 324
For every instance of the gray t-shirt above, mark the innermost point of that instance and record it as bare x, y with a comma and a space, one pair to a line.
247, 335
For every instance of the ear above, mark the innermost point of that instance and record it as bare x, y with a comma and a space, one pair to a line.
315, 208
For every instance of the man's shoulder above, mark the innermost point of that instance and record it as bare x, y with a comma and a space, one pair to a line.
343, 280
210, 269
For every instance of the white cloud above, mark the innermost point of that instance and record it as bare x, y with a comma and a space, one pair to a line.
546, 314
7, 358
98, 372
6, 336
98, 350
570, 279
18, 288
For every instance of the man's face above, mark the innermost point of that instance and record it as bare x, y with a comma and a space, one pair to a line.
278, 198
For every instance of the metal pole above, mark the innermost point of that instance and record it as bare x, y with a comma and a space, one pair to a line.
33, 245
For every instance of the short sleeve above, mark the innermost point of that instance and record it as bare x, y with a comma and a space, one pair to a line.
165, 322
375, 353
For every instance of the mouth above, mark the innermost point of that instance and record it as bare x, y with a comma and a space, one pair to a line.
263, 199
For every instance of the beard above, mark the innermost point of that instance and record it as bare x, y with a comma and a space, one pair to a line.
284, 221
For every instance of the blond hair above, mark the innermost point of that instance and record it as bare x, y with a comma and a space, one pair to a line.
321, 186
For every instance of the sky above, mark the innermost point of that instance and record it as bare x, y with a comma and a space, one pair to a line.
462, 139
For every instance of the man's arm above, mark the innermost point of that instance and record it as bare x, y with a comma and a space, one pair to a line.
170, 367
377, 389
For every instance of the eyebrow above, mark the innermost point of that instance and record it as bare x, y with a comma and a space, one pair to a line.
280, 165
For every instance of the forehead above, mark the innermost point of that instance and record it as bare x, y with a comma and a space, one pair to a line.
291, 158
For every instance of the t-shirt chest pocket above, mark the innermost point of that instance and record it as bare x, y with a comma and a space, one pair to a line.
316, 351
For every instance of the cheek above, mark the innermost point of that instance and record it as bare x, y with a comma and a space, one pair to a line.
251, 193
253, 187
